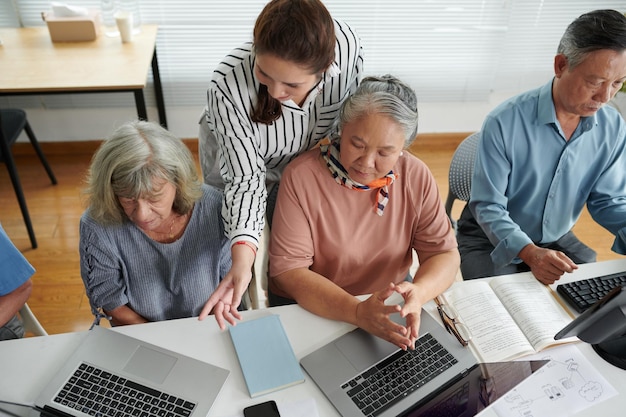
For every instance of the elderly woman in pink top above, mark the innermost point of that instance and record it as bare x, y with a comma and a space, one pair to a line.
350, 213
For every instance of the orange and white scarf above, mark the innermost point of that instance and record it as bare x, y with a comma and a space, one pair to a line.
330, 153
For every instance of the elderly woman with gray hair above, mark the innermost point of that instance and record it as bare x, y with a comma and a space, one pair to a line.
152, 243
350, 213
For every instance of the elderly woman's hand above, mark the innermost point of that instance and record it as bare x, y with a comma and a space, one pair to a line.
412, 308
373, 316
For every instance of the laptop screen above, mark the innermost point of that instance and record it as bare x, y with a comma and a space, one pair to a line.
479, 388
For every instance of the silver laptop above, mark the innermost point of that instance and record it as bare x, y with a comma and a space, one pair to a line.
111, 372
343, 368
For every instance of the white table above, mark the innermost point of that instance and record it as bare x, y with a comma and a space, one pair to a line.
25, 365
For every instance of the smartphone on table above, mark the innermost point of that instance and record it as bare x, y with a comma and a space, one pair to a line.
265, 409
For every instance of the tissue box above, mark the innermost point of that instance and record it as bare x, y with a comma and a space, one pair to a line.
75, 28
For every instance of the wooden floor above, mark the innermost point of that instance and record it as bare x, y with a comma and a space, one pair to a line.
58, 299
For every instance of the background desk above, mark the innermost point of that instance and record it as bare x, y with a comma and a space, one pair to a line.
30, 63
25, 365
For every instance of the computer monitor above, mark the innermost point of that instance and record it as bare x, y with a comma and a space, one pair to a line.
604, 326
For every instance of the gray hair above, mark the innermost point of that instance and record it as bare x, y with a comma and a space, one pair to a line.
385, 95
593, 31
127, 163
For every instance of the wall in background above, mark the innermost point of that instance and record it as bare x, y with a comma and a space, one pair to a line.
60, 125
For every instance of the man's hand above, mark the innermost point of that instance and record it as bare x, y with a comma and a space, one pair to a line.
547, 265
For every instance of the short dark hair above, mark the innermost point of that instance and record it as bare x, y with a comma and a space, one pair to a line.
593, 31
298, 31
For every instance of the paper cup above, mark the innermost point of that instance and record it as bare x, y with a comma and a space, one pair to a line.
124, 22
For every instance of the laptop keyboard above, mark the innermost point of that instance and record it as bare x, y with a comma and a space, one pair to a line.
392, 379
584, 293
97, 392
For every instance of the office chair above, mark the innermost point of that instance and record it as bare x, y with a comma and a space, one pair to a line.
30, 322
12, 122
461, 171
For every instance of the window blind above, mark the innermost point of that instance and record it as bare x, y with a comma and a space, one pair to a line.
8, 15
449, 51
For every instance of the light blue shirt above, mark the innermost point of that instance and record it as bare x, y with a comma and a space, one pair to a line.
530, 184
14, 268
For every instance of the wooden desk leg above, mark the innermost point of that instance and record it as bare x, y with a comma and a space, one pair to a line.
140, 103
158, 89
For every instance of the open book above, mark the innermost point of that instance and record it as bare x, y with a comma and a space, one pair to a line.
508, 317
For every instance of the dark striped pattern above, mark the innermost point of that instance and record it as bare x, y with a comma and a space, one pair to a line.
252, 154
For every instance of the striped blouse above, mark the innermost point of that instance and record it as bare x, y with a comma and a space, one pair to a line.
253, 155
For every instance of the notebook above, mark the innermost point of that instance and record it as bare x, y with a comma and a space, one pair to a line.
110, 372
343, 367
265, 355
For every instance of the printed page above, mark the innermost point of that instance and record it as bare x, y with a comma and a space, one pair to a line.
533, 307
495, 336
567, 385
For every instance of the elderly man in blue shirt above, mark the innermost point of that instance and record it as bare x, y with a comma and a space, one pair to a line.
546, 153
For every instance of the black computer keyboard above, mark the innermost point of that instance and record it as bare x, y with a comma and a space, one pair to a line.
97, 392
584, 293
389, 381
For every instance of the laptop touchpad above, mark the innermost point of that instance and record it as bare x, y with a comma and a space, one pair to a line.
150, 364
363, 349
